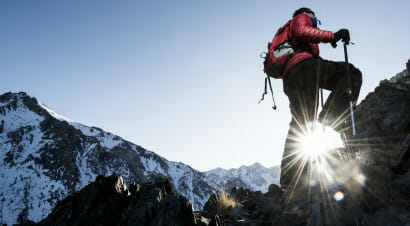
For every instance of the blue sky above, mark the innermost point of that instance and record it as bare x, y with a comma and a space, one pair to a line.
182, 78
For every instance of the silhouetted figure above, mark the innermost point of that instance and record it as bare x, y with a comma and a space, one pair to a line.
303, 75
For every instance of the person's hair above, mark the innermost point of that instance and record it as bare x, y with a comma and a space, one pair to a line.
302, 10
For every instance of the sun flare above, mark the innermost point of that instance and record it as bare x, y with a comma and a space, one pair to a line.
316, 142
316, 153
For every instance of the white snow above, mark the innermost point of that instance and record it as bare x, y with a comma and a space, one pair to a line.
106, 139
175, 171
151, 166
55, 114
23, 183
25, 175
86, 174
256, 176
22, 116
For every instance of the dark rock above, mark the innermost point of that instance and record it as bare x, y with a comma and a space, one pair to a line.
353, 214
157, 204
107, 201
274, 189
383, 138
383, 217
26, 223
210, 205
246, 197
216, 221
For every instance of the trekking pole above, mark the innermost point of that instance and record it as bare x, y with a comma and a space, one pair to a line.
321, 103
349, 86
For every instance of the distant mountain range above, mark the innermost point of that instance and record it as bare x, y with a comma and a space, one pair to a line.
44, 157
255, 177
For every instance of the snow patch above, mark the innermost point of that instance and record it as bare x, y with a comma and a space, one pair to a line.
55, 114
86, 174
107, 140
151, 166
256, 177
22, 116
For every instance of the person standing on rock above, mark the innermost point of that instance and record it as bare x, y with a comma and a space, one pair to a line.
304, 73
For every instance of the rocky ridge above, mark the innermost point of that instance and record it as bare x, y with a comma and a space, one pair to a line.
108, 201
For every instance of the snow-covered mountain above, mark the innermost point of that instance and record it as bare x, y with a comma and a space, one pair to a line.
44, 157
255, 177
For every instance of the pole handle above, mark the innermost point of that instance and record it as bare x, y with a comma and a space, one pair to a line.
349, 84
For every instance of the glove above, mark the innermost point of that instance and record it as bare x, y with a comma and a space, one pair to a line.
342, 34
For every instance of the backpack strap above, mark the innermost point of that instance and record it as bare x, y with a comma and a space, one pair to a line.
280, 30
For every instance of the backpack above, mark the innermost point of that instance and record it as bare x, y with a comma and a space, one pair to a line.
279, 52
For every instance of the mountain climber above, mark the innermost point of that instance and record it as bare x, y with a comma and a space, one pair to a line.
303, 75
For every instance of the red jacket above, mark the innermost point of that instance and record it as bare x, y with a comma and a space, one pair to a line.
305, 39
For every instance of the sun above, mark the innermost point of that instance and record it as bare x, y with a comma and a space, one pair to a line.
316, 142
316, 154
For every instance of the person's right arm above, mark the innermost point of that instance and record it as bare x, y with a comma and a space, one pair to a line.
302, 31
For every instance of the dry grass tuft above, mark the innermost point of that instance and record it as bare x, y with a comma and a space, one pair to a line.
225, 203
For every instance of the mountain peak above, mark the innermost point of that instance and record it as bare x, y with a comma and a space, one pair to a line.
10, 98
255, 177
49, 156
257, 165
10, 95
12, 101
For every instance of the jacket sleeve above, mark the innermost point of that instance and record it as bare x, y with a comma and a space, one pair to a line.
301, 29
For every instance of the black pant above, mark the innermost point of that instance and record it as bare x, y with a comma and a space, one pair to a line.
301, 84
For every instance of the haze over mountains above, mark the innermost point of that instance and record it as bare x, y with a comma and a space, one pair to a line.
44, 157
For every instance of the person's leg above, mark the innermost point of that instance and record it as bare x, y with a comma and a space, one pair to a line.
293, 167
333, 77
300, 85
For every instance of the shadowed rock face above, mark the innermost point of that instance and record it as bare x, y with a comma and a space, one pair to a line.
383, 140
275, 208
108, 201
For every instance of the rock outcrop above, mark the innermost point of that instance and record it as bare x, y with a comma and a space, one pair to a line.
383, 138
108, 201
